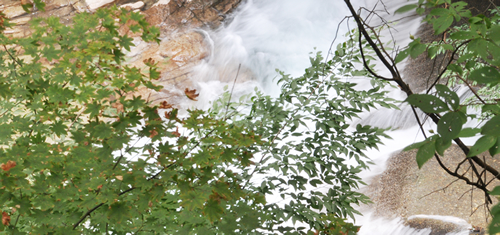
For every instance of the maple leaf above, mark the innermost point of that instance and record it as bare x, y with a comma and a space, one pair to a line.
153, 133
165, 105
10, 164
191, 94
149, 62
5, 218
176, 132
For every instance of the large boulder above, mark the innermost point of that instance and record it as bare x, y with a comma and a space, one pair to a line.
404, 190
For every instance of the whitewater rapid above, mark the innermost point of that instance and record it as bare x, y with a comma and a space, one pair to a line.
265, 35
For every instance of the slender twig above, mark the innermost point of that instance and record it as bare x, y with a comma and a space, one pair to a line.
459, 165
334, 39
97, 207
437, 190
471, 89
469, 182
232, 90
418, 121
463, 194
77, 116
118, 161
446, 68
382, 48
15, 223
12, 56
477, 207
365, 63
373, 45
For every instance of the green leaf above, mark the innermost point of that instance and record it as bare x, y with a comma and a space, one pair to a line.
495, 191
417, 49
485, 75
432, 51
463, 35
442, 24
494, 108
469, 132
406, 8
449, 126
5, 90
192, 200
481, 145
39, 4
494, 227
427, 103
402, 55
425, 152
442, 145
495, 149
93, 109
414, 146
213, 211
118, 212
449, 96
494, 33
492, 127
59, 128
456, 68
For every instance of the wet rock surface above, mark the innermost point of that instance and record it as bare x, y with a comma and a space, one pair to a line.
436, 226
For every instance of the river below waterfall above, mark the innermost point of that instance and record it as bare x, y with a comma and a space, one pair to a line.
265, 35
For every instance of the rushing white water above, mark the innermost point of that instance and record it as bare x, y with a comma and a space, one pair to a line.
265, 35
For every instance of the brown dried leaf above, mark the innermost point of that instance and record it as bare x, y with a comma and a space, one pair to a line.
149, 62
153, 133
176, 132
191, 94
5, 218
118, 106
165, 105
119, 177
9, 165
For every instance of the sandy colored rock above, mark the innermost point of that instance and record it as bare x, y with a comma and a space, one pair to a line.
95, 4
437, 227
183, 15
404, 190
133, 6
13, 11
176, 58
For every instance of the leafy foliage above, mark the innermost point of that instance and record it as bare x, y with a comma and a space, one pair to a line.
81, 153
475, 56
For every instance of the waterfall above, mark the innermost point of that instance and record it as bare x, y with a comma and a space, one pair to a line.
264, 35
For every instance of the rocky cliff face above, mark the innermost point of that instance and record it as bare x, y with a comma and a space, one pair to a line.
181, 47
